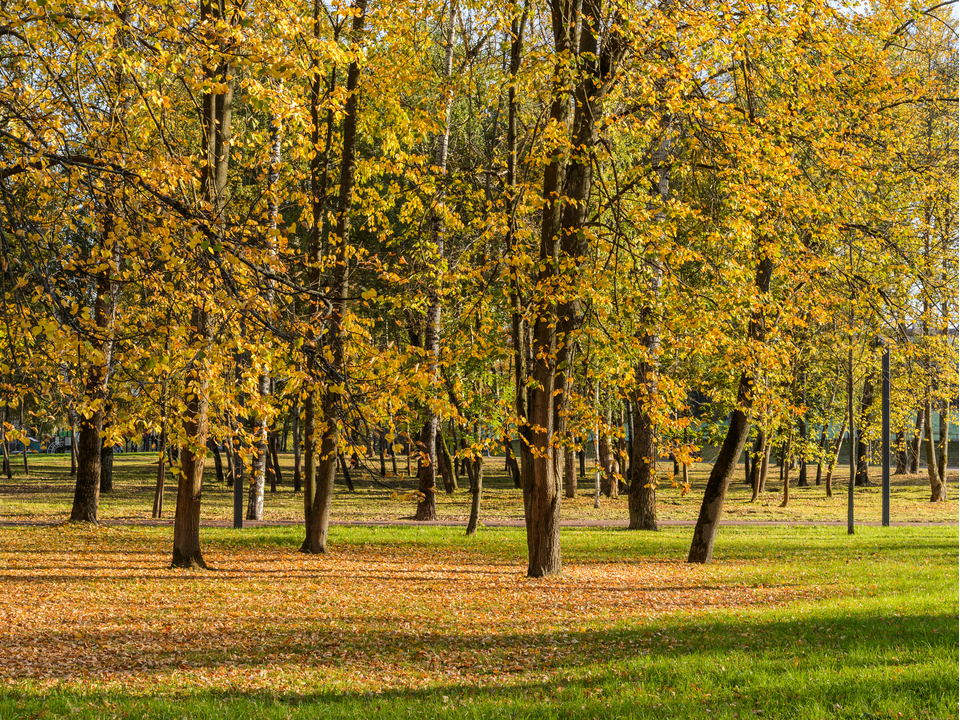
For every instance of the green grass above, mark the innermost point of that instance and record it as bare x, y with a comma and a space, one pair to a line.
789, 622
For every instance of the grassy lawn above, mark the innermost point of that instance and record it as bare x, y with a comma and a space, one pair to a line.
422, 622
47, 493
792, 622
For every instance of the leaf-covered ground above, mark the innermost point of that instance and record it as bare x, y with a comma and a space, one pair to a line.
422, 622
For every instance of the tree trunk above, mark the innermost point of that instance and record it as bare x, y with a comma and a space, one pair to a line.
297, 458
759, 448
318, 514
186, 524
834, 456
569, 472
106, 466
7, 470
901, 453
866, 401
475, 475
938, 489
162, 456
802, 475
944, 442
705, 532
915, 444
217, 123
445, 464
511, 460
73, 445
26, 442
274, 462
213, 447
786, 471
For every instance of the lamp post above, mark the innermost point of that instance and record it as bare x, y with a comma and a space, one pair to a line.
885, 453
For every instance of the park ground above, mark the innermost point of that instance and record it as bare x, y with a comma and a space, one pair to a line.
421, 622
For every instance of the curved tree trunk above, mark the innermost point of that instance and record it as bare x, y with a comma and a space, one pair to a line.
705, 532
917, 441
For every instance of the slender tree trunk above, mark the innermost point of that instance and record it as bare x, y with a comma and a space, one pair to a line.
938, 489
445, 464
569, 473
901, 453
26, 442
161, 455
475, 475
318, 515
217, 122
866, 401
759, 448
7, 470
512, 462
106, 466
823, 447
73, 443
786, 471
834, 456
942, 448
427, 504
705, 532
213, 447
275, 477
297, 458
915, 444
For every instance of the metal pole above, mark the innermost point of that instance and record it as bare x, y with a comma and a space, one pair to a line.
853, 440
885, 457
237, 495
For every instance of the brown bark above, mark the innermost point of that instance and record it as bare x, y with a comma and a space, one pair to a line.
297, 457
938, 489
866, 401
569, 472
916, 442
834, 456
217, 122
7, 470
760, 448
445, 464
475, 475
942, 447
318, 515
214, 447
901, 453
186, 524
705, 532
